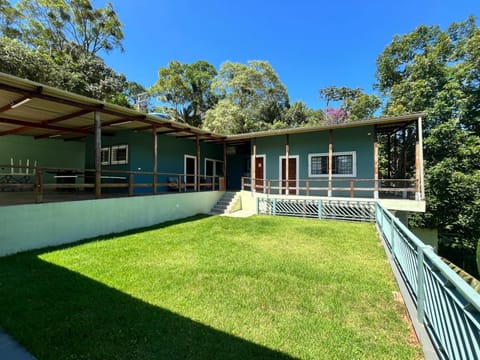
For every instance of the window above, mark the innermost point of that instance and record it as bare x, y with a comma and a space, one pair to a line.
119, 154
105, 156
343, 164
213, 167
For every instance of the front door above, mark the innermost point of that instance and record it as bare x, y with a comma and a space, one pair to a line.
289, 187
190, 169
259, 173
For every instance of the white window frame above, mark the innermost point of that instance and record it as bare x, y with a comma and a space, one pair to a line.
354, 164
216, 163
185, 157
114, 161
107, 151
280, 158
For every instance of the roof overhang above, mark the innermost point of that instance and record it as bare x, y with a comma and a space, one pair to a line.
33, 109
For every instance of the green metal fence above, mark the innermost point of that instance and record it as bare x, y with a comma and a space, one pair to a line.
447, 306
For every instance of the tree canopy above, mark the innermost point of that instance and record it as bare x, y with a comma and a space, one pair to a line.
439, 72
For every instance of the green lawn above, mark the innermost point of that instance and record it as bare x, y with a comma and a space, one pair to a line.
210, 288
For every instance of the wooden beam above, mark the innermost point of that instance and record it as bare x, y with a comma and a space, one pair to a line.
375, 162
225, 167
98, 155
287, 165
155, 158
43, 126
254, 166
197, 140
330, 161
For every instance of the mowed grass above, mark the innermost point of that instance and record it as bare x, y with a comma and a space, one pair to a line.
210, 288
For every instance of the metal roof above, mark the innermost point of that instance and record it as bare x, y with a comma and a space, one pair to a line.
30, 108
33, 109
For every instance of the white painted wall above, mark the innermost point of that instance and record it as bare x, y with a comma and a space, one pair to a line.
26, 227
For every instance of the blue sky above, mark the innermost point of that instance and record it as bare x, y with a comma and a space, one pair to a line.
311, 44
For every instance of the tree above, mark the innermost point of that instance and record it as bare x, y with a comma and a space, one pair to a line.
51, 25
186, 89
9, 17
439, 72
257, 91
300, 115
225, 118
355, 104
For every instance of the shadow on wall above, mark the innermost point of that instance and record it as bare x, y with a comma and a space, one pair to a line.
58, 314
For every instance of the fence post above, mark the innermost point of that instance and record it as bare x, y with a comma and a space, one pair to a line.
130, 184
420, 284
319, 209
352, 188
274, 207
39, 185
257, 206
392, 235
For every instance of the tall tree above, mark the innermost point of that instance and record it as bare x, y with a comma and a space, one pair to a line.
300, 115
50, 25
9, 18
354, 103
186, 89
257, 91
439, 72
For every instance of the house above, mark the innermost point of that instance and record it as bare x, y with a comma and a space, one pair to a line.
57, 147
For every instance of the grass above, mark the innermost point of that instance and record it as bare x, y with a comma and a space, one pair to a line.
210, 288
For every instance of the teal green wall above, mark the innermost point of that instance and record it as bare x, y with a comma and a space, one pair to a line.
171, 152
358, 139
65, 222
47, 152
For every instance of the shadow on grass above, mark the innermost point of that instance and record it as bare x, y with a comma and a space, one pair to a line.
59, 314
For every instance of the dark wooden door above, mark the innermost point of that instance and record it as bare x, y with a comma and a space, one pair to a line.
259, 174
292, 176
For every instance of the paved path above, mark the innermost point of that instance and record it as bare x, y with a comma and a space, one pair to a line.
11, 350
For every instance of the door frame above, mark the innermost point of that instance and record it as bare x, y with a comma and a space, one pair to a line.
297, 160
264, 156
185, 157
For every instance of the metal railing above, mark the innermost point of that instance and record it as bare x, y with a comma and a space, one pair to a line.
353, 210
41, 179
338, 187
446, 305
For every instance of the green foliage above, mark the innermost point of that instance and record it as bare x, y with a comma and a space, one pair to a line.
51, 25
257, 91
210, 288
225, 118
438, 72
300, 115
186, 89
355, 104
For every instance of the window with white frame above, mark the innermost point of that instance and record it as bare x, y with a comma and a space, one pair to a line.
344, 164
105, 156
119, 154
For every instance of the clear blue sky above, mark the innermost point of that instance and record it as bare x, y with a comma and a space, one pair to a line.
310, 43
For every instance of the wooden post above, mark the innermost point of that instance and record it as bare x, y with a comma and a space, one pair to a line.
330, 161
39, 185
155, 158
98, 155
197, 175
130, 184
375, 163
254, 169
225, 166
352, 188
287, 169
308, 187
420, 159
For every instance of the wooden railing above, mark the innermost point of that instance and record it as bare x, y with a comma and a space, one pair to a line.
337, 187
73, 180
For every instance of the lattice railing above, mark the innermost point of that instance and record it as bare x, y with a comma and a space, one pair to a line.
360, 210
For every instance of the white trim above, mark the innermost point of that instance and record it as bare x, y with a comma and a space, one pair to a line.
185, 157
215, 161
113, 150
354, 164
107, 150
280, 158
264, 156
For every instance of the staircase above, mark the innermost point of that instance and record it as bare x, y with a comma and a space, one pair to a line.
225, 204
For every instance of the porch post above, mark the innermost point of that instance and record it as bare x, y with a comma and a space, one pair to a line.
375, 162
419, 176
198, 164
330, 162
287, 151
98, 155
155, 158
253, 165
224, 168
